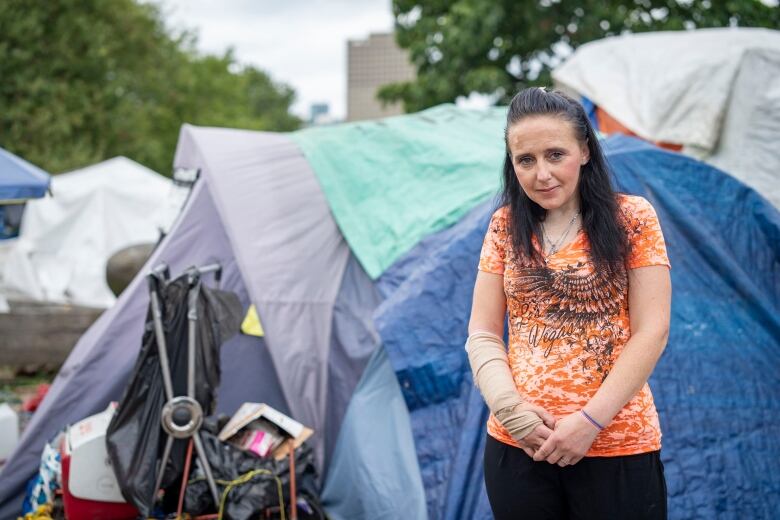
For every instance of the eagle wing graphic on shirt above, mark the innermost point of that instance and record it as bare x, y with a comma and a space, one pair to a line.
571, 298
575, 301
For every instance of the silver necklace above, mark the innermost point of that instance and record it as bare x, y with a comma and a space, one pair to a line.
554, 246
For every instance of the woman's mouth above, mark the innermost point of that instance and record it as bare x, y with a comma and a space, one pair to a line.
547, 190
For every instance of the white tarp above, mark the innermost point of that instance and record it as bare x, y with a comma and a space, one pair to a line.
715, 91
66, 239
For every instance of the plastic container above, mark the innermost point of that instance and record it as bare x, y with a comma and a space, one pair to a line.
9, 431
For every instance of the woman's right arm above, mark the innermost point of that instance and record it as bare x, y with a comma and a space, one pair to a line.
490, 366
488, 309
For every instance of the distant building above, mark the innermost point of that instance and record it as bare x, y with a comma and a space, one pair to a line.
319, 115
373, 63
318, 111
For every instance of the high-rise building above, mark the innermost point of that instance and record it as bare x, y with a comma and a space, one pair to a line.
373, 63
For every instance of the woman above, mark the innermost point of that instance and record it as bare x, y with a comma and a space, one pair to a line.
583, 274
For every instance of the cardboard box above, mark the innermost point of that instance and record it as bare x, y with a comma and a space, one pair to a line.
249, 412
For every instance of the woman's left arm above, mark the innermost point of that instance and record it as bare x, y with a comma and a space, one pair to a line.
649, 303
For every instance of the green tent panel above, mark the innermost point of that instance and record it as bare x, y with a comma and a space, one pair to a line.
438, 164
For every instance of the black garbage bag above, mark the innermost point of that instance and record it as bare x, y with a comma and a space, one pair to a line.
135, 438
248, 485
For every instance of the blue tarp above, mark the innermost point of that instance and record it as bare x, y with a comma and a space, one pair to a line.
20, 180
423, 325
590, 109
717, 386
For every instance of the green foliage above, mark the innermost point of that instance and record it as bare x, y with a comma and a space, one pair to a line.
497, 47
86, 80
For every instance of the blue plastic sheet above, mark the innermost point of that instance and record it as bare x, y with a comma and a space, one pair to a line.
423, 325
590, 110
717, 386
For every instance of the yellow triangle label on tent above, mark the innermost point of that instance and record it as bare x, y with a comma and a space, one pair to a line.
251, 325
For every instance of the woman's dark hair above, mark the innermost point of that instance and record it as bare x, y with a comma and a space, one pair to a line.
598, 204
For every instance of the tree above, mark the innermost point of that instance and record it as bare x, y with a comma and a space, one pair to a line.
496, 47
86, 80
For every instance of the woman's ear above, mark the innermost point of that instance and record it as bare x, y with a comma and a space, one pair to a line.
585, 153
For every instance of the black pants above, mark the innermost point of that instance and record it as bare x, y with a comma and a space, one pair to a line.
609, 488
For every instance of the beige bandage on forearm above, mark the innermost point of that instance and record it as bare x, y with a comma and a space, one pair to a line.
490, 366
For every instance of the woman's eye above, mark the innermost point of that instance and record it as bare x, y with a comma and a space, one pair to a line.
525, 161
556, 156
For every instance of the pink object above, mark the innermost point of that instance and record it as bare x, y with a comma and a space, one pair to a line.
259, 442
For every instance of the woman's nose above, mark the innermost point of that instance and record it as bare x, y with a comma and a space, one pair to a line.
543, 173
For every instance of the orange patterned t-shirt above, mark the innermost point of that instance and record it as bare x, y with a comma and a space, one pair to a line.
568, 324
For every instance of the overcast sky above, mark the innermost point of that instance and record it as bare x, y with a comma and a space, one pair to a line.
299, 42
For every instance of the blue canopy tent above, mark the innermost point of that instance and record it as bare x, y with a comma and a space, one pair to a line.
19, 182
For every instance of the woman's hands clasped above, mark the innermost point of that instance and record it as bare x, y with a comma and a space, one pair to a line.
568, 442
562, 442
534, 440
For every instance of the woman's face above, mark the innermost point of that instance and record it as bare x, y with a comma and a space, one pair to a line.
547, 158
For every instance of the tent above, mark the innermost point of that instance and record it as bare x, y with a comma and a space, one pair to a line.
715, 93
66, 239
362, 279
19, 182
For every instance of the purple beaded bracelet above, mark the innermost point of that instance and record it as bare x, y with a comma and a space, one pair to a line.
592, 420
